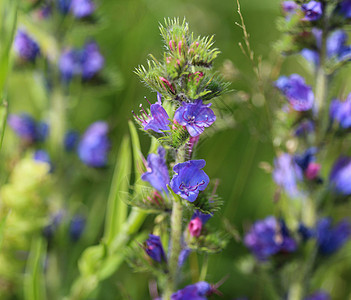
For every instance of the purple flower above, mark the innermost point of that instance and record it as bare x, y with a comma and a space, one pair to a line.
86, 62
345, 8
197, 291
76, 227
340, 176
157, 171
319, 295
42, 155
82, 8
311, 56
330, 239
340, 111
304, 128
287, 173
189, 179
157, 120
25, 46
71, 140
203, 217
269, 237
289, 7
154, 248
336, 43
299, 95
64, 6
94, 145
92, 60
306, 232
24, 126
313, 11
195, 117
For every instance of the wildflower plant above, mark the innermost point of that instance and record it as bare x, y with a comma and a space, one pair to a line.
185, 84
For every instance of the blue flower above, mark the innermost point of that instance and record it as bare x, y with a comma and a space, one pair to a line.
24, 126
311, 56
289, 7
76, 227
42, 155
345, 8
340, 111
51, 228
157, 120
197, 291
64, 6
304, 128
195, 117
306, 232
86, 62
313, 10
94, 145
71, 140
304, 159
319, 295
330, 239
299, 95
154, 248
92, 60
25, 46
287, 173
82, 8
340, 176
189, 180
269, 237
157, 174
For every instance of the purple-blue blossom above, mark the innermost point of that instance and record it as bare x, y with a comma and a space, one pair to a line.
63, 6
289, 7
189, 179
331, 238
71, 140
197, 291
304, 128
94, 145
287, 173
157, 171
24, 126
340, 112
306, 232
319, 295
312, 10
76, 227
82, 8
340, 176
157, 120
25, 46
42, 156
294, 88
195, 117
269, 237
85, 62
153, 247
345, 8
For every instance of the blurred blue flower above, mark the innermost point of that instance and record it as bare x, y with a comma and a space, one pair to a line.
195, 117
306, 232
71, 140
76, 227
154, 248
25, 46
42, 155
319, 295
24, 126
340, 176
304, 128
197, 291
287, 173
340, 111
330, 239
64, 6
203, 217
345, 8
157, 120
51, 228
157, 171
92, 60
269, 237
183, 255
42, 131
85, 62
311, 56
94, 145
299, 95
313, 10
82, 8
289, 7
304, 159
189, 179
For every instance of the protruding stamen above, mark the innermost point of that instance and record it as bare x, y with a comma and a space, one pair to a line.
140, 120
147, 101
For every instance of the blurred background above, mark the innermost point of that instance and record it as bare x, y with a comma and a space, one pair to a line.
127, 32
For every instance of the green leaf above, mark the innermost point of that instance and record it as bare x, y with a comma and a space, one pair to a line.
34, 284
116, 212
